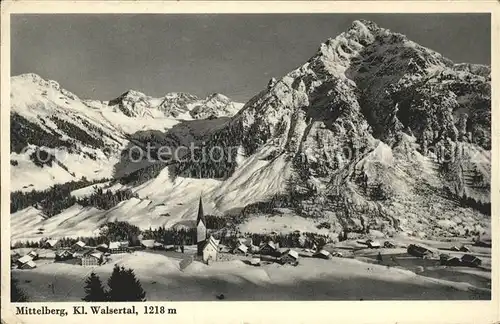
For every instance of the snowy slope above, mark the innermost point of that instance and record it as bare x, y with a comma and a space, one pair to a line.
312, 279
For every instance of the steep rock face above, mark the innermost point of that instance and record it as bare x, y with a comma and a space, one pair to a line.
356, 121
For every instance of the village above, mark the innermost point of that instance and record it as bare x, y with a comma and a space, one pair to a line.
209, 250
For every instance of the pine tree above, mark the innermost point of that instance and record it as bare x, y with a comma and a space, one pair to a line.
94, 290
17, 295
124, 286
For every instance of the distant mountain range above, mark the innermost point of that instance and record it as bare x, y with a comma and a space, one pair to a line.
373, 132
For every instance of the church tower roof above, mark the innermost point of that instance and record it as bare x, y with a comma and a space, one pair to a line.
201, 215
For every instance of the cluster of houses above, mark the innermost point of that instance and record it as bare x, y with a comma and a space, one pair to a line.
377, 245
208, 247
467, 260
270, 251
87, 256
24, 262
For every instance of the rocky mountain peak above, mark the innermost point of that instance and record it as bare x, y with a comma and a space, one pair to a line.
370, 92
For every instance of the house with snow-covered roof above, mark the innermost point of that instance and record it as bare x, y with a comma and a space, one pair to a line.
28, 265
241, 249
78, 246
470, 260
25, 262
22, 260
33, 254
158, 246
118, 247
92, 259
102, 247
52, 244
374, 244
269, 248
322, 254
63, 255
291, 257
148, 244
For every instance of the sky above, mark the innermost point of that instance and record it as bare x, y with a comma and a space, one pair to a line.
102, 56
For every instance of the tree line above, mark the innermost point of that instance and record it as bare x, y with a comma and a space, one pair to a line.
124, 231
76, 132
54, 200
23, 133
171, 236
106, 199
20, 200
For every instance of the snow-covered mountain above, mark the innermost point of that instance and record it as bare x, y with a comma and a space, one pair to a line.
175, 105
89, 135
373, 132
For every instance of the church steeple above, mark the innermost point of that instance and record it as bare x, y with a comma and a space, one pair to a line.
201, 229
201, 216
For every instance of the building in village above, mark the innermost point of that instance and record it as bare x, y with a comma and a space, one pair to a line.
466, 260
450, 261
117, 247
469, 260
34, 255
291, 257
80, 253
52, 244
28, 265
102, 247
124, 244
207, 245
419, 251
92, 259
160, 246
389, 245
25, 262
241, 249
373, 244
63, 255
248, 241
269, 248
210, 250
147, 244
322, 254
78, 246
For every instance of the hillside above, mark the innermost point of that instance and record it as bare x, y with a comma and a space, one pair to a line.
373, 132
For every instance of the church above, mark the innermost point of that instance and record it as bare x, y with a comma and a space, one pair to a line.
207, 245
